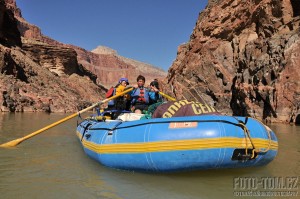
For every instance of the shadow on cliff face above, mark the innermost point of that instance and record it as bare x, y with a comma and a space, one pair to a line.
297, 121
9, 33
296, 7
268, 110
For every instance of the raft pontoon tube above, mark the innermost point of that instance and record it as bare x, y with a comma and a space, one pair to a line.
178, 143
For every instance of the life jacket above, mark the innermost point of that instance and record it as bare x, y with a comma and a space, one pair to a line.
140, 95
110, 92
112, 102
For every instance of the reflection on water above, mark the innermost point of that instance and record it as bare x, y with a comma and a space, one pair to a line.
53, 165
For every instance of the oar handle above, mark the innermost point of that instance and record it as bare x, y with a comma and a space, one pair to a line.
167, 96
19, 140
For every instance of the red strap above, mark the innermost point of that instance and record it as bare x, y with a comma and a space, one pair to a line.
141, 96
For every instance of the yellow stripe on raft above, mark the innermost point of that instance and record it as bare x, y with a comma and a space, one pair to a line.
175, 145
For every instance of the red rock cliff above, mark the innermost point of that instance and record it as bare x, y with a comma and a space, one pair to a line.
41, 74
243, 58
107, 65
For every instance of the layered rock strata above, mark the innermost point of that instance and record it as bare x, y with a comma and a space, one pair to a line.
243, 58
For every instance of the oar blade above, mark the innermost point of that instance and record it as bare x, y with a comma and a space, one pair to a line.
11, 143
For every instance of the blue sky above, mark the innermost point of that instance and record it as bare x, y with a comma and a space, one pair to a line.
145, 30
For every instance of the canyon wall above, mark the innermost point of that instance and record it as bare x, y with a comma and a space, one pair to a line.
41, 74
243, 58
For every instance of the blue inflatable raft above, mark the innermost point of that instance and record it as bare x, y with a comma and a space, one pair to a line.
178, 143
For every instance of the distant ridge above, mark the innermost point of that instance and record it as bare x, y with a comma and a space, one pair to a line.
103, 50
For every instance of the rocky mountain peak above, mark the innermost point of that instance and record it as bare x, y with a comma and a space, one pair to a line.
103, 50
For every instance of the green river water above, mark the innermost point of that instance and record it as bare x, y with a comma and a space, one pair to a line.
53, 165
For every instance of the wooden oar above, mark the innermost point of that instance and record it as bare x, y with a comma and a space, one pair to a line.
167, 96
19, 140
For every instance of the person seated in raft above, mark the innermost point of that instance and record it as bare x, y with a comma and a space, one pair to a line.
153, 104
121, 103
154, 87
141, 96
